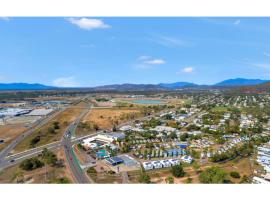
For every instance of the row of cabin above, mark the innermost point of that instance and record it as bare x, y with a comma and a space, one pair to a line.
158, 164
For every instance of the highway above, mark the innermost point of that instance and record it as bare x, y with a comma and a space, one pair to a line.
7, 160
67, 142
72, 161
17, 158
8, 149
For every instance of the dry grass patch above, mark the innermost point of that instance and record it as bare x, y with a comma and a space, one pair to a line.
106, 118
65, 118
9, 133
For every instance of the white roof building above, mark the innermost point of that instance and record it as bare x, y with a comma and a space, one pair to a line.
258, 180
187, 159
125, 128
166, 163
40, 112
163, 128
148, 166
174, 162
157, 164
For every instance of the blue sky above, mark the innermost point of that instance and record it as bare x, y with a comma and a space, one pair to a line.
91, 51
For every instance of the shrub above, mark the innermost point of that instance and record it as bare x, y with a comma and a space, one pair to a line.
34, 141
91, 170
56, 125
235, 174
213, 175
144, 178
51, 130
170, 180
31, 164
49, 157
63, 180
177, 171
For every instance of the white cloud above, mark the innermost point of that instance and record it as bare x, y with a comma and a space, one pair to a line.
154, 62
147, 62
188, 70
237, 22
88, 24
65, 82
5, 18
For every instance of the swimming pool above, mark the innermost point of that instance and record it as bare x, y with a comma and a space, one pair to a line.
102, 153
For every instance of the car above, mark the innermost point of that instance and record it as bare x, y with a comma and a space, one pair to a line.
1, 141
12, 161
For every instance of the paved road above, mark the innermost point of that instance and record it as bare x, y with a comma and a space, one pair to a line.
7, 150
17, 158
72, 161
7, 160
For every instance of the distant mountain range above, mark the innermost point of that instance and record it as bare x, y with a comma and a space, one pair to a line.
24, 86
127, 86
241, 82
177, 85
237, 82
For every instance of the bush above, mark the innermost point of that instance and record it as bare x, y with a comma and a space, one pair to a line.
56, 125
49, 157
189, 180
51, 130
91, 170
31, 164
177, 171
184, 137
144, 178
34, 141
63, 180
170, 180
235, 174
213, 175
80, 146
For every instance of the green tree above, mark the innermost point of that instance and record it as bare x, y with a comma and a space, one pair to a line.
170, 180
189, 180
91, 170
49, 157
213, 175
235, 174
31, 164
178, 171
184, 137
34, 141
56, 125
144, 178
